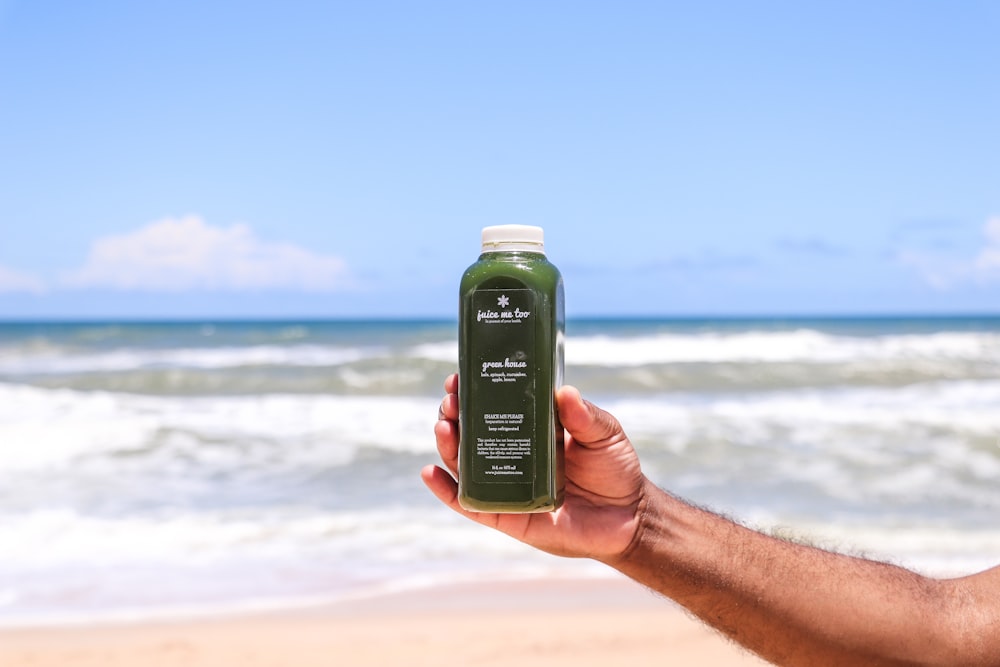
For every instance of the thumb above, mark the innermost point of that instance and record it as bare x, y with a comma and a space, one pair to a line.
589, 425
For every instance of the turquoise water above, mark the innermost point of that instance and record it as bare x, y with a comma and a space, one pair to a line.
170, 467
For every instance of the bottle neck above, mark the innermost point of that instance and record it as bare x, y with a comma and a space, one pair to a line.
506, 247
512, 254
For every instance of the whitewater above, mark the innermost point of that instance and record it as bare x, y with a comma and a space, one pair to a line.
163, 468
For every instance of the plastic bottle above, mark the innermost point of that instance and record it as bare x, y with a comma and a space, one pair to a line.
511, 333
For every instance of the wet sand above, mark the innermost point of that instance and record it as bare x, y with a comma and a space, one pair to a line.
551, 623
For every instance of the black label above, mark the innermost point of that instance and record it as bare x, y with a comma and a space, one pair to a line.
502, 344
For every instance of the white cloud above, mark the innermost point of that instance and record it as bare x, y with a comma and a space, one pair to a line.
939, 271
177, 254
12, 280
943, 271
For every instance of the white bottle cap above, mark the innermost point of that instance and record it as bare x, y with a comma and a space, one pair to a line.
514, 237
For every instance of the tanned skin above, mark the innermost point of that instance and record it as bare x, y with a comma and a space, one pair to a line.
791, 604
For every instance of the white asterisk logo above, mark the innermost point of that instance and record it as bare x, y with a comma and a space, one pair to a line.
503, 301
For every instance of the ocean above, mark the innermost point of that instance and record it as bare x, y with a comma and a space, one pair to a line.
154, 469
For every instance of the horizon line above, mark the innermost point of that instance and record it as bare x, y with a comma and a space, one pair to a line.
263, 319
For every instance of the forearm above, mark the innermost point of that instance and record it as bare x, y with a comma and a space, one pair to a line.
796, 605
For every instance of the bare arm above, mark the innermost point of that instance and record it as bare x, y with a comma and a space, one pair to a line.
791, 604
796, 605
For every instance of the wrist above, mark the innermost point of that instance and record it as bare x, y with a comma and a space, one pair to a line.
643, 527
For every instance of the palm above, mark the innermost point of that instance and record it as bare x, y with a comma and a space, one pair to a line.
597, 515
603, 484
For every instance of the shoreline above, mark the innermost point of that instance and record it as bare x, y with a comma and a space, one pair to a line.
578, 622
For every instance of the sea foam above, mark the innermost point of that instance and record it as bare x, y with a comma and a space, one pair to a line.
802, 345
172, 468
55, 428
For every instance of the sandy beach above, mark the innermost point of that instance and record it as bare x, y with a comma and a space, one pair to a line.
553, 623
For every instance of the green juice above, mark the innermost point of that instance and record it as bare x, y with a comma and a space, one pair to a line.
511, 330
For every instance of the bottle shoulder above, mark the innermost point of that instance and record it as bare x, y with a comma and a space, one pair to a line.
533, 269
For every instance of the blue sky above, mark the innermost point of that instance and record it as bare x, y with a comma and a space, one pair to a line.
334, 159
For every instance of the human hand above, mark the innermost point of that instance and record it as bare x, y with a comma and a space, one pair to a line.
605, 488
